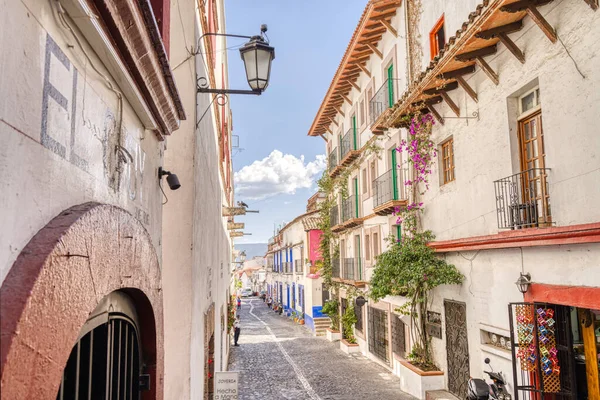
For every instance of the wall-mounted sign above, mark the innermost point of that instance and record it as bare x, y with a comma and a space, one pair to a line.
226, 385
434, 324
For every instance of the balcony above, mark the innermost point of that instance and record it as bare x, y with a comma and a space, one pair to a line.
384, 100
523, 201
349, 148
333, 161
299, 266
334, 219
351, 212
286, 267
335, 268
389, 191
349, 271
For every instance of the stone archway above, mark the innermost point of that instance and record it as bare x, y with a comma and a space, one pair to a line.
82, 255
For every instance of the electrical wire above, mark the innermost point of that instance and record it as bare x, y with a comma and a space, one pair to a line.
163, 192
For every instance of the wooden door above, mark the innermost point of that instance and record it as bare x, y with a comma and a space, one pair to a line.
534, 186
457, 347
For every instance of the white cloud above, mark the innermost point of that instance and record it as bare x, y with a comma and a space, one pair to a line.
277, 174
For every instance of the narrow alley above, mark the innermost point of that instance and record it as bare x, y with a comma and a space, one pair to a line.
278, 359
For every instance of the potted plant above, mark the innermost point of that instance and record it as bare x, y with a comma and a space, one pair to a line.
331, 308
348, 343
411, 269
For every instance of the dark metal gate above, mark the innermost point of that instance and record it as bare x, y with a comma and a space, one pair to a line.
457, 347
104, 364
378, 329
542, 351
398, 336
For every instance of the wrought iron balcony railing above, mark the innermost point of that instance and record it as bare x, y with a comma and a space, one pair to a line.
349, 142
287, 267
299, 266
352, 269
350, 208
333, 159
385, 98
334, 218
390, 186
523, 200
335, 268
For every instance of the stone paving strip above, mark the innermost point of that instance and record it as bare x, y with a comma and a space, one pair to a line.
280, 360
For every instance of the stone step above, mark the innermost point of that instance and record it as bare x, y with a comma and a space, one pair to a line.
439, 395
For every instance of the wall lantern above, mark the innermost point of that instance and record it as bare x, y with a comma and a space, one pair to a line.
360, 301
257, 56
523, 282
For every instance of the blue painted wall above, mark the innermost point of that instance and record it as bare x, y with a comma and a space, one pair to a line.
308, 321
317, 312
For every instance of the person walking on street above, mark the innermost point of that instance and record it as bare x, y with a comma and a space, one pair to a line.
236, 330
239, 303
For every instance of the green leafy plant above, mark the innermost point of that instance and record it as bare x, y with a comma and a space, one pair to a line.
348, 321
331, 308
410, 268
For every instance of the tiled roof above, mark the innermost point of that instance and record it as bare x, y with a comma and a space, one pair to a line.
311, 223
370, 29
487, 15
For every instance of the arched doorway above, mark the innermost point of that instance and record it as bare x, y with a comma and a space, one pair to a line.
60, 281
107, 361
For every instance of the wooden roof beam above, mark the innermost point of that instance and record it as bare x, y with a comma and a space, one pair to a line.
592, 3
478, 55
501, 32
334, 122
453, 106
457, 72
385, 15
448, 87
379, 31
389, 27
375, 50
387, 6
371, 40
339, 109
346, 98
355, 85
468, 89
364, 69
534, 14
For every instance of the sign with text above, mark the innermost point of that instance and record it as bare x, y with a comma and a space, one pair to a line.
226, 385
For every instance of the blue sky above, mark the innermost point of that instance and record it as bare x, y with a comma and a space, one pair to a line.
279, 164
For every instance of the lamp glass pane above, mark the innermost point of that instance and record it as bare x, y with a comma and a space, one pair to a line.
249, 58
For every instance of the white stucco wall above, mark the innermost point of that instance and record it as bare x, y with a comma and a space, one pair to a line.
57, 154
197, 256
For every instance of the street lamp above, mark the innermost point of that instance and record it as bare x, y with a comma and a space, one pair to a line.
523, 282
257, 56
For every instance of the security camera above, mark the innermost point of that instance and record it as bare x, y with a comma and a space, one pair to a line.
172, 179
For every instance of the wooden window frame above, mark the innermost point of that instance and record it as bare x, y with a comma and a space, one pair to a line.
365, 182
367, 247
448, 169
434, 46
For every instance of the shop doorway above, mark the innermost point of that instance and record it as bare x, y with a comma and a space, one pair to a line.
555, 351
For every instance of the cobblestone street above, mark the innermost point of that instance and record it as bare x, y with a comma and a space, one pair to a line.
278, 359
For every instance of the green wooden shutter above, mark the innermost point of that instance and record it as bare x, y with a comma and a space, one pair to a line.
359, 261
394, 175
354, 130
398, 232
390, 77
356, 197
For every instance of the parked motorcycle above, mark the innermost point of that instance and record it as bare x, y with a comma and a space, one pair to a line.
478, 389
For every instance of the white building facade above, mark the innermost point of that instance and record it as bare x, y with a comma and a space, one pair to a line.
95, 258
508, 195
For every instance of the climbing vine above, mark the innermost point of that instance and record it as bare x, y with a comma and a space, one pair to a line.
410, 268
331, 308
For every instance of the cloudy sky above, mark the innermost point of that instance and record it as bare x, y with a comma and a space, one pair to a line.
277, 164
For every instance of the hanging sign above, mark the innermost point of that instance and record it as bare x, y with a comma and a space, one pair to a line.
226, 385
